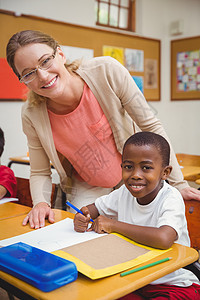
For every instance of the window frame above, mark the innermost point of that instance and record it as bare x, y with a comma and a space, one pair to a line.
131, 15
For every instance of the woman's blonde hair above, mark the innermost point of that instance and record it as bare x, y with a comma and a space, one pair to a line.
24, 38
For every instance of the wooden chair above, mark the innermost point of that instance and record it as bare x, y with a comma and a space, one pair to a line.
192, 209
192, 212
198, 181
191, 164
24, 195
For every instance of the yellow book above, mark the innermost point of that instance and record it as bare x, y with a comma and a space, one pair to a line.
107, 255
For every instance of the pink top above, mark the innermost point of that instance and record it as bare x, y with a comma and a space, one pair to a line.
85, 138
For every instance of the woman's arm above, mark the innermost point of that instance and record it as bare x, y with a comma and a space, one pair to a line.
40, 178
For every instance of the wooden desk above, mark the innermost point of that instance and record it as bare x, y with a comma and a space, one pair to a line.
191, 173
23, 160
11, 210
111, 287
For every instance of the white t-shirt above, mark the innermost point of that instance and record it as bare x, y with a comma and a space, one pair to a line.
166, 209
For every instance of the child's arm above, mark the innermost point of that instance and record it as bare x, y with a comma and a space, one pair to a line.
3, 191
161, 238
81, 221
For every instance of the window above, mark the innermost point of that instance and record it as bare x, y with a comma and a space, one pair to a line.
116, 14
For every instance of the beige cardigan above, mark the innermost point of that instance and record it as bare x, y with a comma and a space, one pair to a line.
124, 107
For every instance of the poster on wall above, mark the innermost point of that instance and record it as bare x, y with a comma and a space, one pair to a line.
140, 82
188, 71
73, 53
185, 69
10, 87
151, 74
115, 52
134, 60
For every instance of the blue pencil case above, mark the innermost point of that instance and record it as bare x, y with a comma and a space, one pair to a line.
39, 268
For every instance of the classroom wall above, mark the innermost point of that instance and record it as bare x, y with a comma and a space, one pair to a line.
180, 118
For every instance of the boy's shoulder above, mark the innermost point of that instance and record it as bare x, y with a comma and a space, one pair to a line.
169, 192
170, 188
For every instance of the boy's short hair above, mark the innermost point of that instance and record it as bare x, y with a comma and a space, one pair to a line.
150, 138
2, 141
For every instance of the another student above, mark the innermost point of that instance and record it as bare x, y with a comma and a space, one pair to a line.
8, 183
147, 210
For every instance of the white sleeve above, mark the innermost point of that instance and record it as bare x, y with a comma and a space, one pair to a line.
172, 214
108, 205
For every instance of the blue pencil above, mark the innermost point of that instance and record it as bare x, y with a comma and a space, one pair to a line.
76, 209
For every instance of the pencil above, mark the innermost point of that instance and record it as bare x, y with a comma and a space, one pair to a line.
76, 209
146, 266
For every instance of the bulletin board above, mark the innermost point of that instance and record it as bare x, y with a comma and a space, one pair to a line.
91, 38
185, 69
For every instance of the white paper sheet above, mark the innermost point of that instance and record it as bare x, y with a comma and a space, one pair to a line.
5, 200
73, 53
53, 237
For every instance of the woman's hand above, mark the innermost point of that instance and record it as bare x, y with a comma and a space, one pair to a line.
36, 217
190, 193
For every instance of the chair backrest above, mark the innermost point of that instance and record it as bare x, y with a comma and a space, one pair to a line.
192, 212
192, 207
188, 159
24, 194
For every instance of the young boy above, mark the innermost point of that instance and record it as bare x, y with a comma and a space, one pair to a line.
8, 183
147, 210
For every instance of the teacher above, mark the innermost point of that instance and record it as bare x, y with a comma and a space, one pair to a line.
77, 117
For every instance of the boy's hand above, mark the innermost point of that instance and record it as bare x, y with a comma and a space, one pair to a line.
81, 221
102, 224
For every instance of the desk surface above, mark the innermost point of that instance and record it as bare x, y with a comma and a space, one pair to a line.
111, 287
11, 210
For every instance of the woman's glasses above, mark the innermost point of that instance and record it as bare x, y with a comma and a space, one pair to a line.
44, 65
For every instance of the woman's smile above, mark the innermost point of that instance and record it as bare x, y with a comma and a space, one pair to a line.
51, 83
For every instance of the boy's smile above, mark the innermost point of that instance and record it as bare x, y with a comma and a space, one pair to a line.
143, 171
